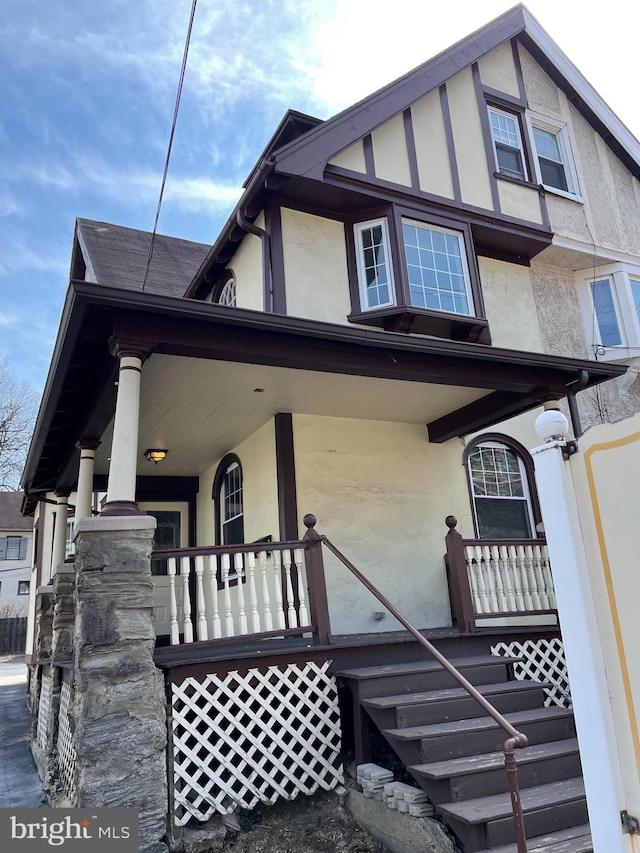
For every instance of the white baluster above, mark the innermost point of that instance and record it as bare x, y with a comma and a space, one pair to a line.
216, 628
533, 581
541, 583
227, 596
546, 568
302, 607
524, 577
496, 562
200, 605
277, 591
266, 604
517, 582
242, 616
291, 609
473, 581
508, 578
491, 578
174, 630
185, 568
253, 595
482, 586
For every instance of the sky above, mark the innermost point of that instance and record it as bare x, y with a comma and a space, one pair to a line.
87, 93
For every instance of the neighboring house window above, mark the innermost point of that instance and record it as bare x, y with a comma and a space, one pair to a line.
501, 485
228, 293
610, 302
374, 270
554, 164
13, 548
507, 143
23, 587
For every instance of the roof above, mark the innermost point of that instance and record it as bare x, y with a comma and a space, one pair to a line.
117, 257
11, 517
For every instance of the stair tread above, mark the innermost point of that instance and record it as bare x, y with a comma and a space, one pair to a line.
476, 723
498, 806
494, 760
364, 672
577, 839
401, 699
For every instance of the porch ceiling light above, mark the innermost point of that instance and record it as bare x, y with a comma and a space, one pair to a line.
155, 455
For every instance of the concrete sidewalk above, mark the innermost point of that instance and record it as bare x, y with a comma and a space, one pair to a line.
19, 781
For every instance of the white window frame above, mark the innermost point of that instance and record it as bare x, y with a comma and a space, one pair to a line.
515, 117
358, 228
228, 294
13, 540
459, 235
620, 276
560, 130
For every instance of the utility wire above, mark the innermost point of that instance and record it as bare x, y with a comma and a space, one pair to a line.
171, 135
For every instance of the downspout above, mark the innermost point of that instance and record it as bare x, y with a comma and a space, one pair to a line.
572, 389
252, 228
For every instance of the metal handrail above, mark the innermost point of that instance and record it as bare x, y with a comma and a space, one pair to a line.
515, 739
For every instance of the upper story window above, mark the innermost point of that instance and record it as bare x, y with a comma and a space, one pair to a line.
610, 302
554, 165
228, 293
501, 488
413, 275
507, 143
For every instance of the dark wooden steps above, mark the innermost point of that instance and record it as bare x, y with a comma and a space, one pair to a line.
454, 750
546, 808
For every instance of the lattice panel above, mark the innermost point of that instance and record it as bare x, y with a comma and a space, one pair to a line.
44, 711
243, 739
543, 660
66, 749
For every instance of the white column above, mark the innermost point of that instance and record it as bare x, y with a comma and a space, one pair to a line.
576, 611
85, 480
121, 488
60, 531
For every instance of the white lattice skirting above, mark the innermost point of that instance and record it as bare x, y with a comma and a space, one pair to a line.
542, 660
44, 711
240, 740
66, 749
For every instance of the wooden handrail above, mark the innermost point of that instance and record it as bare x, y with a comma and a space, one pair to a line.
219, 550
539, 541
515, 739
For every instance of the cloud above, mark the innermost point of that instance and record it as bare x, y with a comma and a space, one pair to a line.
7, 320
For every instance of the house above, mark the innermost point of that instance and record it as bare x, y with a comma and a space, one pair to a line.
363, 350
16, 533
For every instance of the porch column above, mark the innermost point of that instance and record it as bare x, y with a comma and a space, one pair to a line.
121, 488
60, 530
576, 612
87, 449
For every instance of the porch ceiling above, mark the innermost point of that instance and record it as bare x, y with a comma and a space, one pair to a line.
200, 409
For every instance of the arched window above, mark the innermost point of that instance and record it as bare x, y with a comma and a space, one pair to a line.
502, 487
228, 501
228, 293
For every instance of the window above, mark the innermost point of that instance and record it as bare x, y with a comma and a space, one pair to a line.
507, 143
374, 270
231, 505
501, 484
13, 548
610, 301
228, 293
167, 535
23, 587
69, 546
554, 165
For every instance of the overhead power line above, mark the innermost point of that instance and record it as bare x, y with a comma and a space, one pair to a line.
171, 135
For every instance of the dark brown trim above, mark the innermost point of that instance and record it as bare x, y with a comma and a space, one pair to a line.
486, 135
275, 290
519, 75
369, 158
451, 147
527, 461
503, 99
411, 149
509, 179
286, 476
311, 209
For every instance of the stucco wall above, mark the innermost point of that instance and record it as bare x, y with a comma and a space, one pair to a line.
381, 493
258, 458
498, 70
606, 474
315, 267
351, 158
390, 152
510, 305
247, 267
432, 154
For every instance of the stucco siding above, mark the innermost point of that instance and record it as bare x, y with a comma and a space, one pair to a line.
432, 154
381, 493
390, 152
498, 70
247, 267
315, 266
519, 202
510, 305
351, 158
468, 141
